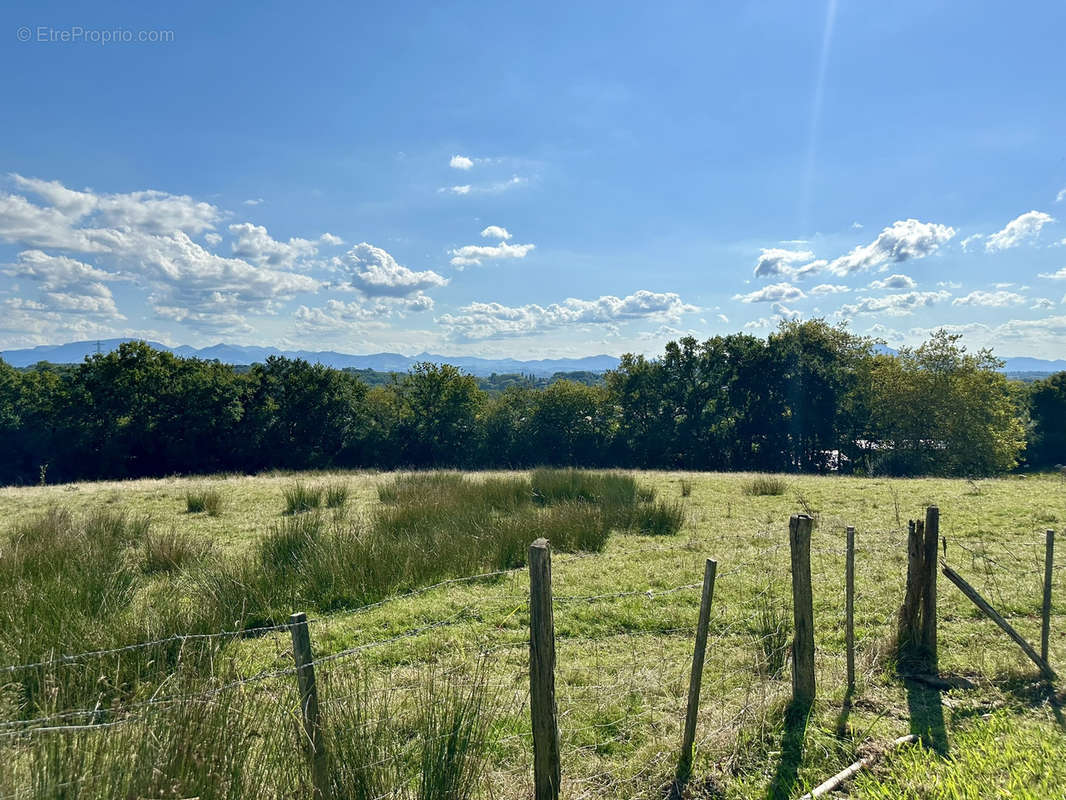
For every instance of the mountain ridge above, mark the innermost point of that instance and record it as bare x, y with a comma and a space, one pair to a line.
75, 352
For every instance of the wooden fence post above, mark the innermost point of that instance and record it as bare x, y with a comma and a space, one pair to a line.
928, 631
849, 606
546, 767
799, 530
309, 714
910, 612
684, 765
1045, 626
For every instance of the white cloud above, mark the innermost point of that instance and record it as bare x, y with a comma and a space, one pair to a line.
253, 243
1021, 229
254, 202
330, 240
786, 313
66, 285
997, 299
895, 305
969, 240
479, 321
856, 226
1042, 304
487, 188
472, 254
902, 240
829, 288
896, 281
495, 232
1061, 195
723, 317
775, 292
777, 261
461, 162
212, 239
464, 189
377, 274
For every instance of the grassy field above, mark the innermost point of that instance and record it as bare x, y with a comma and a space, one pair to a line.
449, 664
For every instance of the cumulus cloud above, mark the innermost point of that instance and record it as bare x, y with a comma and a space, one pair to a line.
146, 237
212, 239
479, 321
376, 273
1042, 304
997, 299
829, 288
1020, 229
895, 305
899, 242
495, 232
254, 201
66, 285
1061, 195
461, 162
778, 261
472, 254
896, 281
971, 240
775, 292
1059, 275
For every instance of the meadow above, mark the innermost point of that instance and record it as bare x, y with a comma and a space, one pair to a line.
424, 673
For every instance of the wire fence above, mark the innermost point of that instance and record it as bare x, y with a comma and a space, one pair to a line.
623, 663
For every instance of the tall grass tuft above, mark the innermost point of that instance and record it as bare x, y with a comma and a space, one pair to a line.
773, 634
300, 498
686, 488
168, 552
659, 519
765, 485
336, 495
200, 500
454, 736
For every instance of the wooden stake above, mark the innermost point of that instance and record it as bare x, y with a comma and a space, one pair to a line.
684, 765
799, 531
1045, 614
309, 714
546, 766
993, 615
928, 630
849, 606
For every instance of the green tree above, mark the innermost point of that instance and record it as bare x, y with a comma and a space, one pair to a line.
1047, 412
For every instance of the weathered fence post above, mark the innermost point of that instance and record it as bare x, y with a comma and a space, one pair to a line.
546, 767
910, 612
1045, 612
849, 606
799, 535
309, 714
684, 765
928, 631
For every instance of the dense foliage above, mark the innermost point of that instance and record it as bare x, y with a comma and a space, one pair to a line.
810, 397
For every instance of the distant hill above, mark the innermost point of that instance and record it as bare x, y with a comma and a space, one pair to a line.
75, 352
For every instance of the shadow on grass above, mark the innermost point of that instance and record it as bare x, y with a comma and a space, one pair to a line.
841, 726
1037, 692
796, 716
927, 716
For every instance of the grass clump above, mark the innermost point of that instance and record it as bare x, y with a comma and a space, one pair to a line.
686, 488
773, 635
765, 486
659, 519
197, 501
172, 551
300, 498
336, 495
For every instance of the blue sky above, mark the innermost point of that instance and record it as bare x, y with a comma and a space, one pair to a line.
531, 180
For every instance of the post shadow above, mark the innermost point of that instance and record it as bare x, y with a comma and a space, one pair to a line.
841, 726
796, 716
926, 710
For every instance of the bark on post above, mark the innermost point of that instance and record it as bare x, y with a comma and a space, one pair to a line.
546, 766
803, 690
849, 606
928, 630
1045, 615
309, 713
684, 765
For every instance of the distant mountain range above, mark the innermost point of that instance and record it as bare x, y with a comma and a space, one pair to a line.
75, 352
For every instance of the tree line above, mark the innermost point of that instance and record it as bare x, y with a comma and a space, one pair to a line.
809, 397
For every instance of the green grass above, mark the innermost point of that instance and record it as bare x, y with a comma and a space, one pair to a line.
623, 661
765, 486
198, 501
300, 497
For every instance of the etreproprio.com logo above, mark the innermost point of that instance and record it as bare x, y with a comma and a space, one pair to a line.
78, 34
